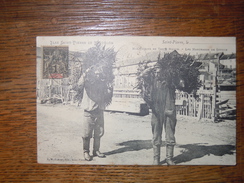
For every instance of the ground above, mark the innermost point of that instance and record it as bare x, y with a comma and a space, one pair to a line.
127, 139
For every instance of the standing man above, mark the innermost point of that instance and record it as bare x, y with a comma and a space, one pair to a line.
158, 85
96, 93
161, 98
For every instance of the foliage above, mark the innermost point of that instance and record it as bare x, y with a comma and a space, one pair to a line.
173, 68
99, 55
98, 69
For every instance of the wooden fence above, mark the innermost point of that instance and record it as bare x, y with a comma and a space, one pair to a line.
200, 107
206, 105
51, 90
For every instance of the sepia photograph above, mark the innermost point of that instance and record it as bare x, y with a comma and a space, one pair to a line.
136, 100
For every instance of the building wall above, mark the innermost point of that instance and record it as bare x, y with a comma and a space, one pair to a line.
229, 63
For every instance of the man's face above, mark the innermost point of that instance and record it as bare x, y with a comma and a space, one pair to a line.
99, 75
157, 71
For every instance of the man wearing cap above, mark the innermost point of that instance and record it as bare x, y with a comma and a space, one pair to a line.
162, 102
94, 90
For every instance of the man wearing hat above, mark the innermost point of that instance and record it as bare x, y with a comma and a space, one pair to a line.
161, 99
95, 91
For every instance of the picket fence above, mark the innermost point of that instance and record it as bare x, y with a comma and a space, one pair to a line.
200, 106
58, 90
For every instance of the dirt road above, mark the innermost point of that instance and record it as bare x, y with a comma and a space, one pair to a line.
127, 139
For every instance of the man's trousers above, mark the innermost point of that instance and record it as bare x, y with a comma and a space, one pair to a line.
166, 121
93, 126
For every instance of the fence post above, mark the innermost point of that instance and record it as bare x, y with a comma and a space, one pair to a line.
50, 88
214, 95
194, 107
199, 115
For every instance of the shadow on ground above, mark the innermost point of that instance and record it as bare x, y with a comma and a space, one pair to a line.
132, 145
194, 151
188, 152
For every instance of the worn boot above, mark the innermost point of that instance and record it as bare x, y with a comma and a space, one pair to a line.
96, 147
86, 149
169, 154
156, 155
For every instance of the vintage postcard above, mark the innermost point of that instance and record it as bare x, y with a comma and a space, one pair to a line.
136, 100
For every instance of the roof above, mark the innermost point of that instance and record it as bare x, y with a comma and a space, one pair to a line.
209, 56
228, 56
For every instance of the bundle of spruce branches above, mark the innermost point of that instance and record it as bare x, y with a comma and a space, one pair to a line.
174, 67
99, 77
